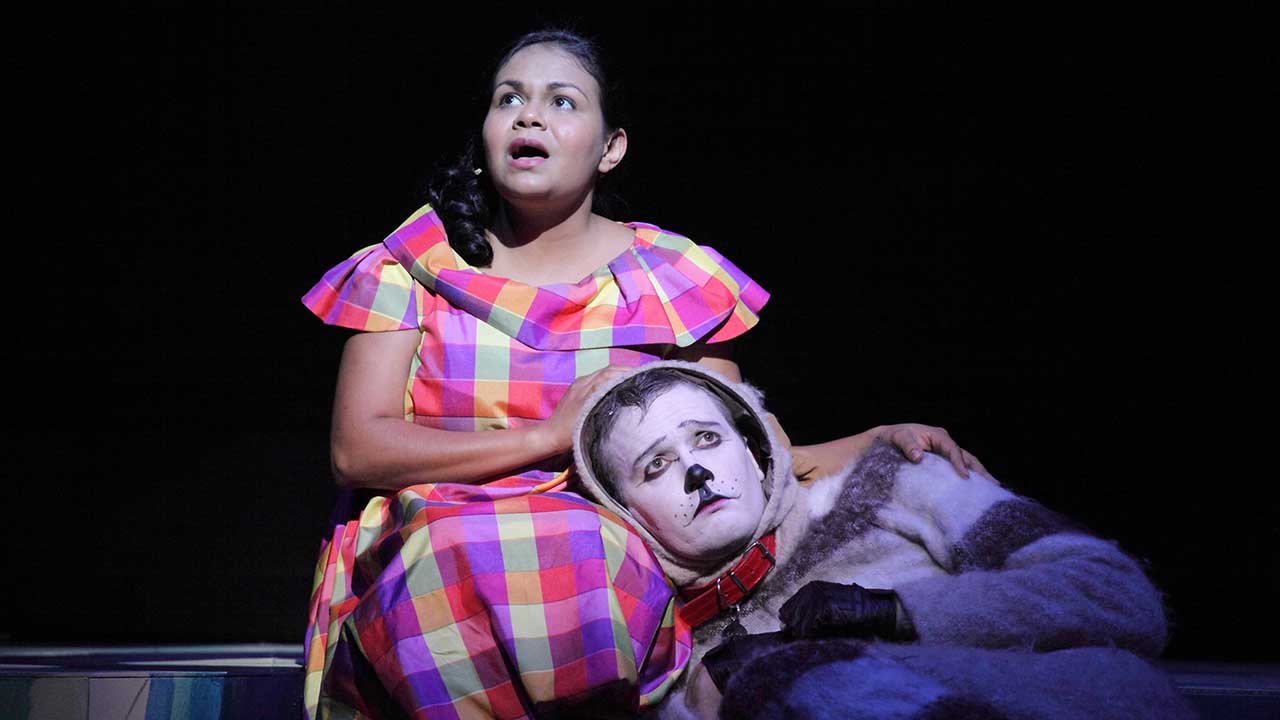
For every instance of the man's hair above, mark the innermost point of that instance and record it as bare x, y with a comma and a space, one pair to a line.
636, 391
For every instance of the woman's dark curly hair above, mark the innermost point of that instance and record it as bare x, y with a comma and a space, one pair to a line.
466, 202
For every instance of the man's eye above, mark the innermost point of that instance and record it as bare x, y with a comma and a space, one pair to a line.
656, 466
708, 438
564, 103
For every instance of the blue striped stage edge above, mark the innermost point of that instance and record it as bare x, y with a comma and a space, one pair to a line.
204, 682
220, 682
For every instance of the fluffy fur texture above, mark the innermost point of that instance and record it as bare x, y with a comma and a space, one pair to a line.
996, 586
848, 678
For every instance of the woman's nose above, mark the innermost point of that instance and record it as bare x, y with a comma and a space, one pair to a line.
695, 477
529, 116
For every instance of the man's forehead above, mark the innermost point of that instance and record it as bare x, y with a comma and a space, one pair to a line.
666, 411
673, 403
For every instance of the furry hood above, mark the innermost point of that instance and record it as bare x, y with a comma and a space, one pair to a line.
745, 406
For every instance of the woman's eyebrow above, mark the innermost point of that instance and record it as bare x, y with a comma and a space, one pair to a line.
519, 86
557, 85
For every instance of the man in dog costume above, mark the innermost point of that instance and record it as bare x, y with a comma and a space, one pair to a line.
889, 589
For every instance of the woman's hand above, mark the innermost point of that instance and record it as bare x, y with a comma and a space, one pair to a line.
914, 440
557, 431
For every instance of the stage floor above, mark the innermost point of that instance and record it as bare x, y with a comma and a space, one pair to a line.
193, 682
217, 682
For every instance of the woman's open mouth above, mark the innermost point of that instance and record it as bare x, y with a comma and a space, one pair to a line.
525, 153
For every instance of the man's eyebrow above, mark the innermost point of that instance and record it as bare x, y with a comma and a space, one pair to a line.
649, 449
659, 441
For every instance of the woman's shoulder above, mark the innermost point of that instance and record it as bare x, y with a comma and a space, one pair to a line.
369, 291
702, 262
375, 289
703, 296
705, 254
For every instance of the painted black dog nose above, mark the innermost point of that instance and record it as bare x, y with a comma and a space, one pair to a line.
696, 477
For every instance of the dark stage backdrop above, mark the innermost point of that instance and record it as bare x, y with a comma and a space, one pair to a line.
964, 220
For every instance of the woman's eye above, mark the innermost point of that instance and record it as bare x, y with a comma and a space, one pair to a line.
708, 438
510, 99
564, 103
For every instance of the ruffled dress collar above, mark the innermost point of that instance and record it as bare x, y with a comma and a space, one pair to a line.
663, 290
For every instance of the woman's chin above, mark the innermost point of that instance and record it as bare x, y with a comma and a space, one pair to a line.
530, 192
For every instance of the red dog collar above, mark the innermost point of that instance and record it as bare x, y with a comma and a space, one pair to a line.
704, 603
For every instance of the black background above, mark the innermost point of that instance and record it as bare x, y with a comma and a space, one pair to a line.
990, 223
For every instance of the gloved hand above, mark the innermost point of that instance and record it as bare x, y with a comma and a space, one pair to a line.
826, 609
730, 656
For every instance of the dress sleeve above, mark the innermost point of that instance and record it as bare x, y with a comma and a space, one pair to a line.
682, 293
369, 291
750, 299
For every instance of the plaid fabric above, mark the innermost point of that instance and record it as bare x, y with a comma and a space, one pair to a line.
471, 601
486, 600
497, 353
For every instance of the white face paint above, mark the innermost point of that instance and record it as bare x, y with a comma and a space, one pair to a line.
686, 474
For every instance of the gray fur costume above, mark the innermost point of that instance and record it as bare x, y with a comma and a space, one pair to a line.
1018, 612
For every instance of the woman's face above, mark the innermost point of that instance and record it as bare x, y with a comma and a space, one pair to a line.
544, 135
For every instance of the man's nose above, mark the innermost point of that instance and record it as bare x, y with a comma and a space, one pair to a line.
696, 477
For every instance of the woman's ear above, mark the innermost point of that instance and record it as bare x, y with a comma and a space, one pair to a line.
615, 147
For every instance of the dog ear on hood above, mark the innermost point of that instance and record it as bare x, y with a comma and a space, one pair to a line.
772, 454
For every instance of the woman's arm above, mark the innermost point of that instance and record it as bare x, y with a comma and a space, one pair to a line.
372, 446
913, 439
813, 461
717, 356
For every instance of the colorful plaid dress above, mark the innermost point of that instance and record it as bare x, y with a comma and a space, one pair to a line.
451, 600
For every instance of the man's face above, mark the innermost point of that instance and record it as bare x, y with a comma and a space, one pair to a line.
686, 474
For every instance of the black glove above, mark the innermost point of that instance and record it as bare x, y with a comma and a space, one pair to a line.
827, 609
730, 656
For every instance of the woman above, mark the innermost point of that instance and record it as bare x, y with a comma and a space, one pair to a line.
469, 583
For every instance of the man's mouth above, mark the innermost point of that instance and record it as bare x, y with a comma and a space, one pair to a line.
706, 500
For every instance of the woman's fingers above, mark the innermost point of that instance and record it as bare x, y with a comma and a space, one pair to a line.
904, 440
976, 464
603, 376
587, 384
944, 445
566, 411
914, 440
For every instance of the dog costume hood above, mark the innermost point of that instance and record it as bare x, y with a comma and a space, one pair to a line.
746, 409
